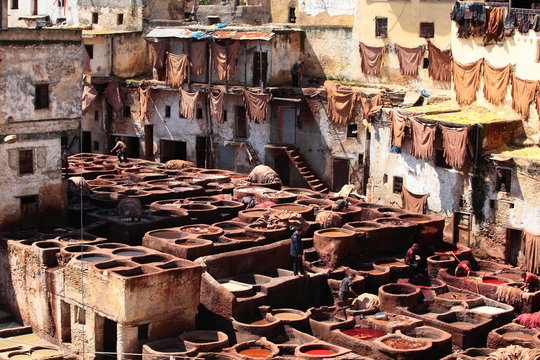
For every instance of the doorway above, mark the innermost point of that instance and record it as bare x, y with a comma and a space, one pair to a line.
109, 338
281, 166
340, 173
287, 125
149, 142
513, 245
86, 146
201, 151
226, 157
133, 144
462, 228
172, 150
29, 211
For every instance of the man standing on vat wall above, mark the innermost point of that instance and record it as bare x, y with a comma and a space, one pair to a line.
296, 251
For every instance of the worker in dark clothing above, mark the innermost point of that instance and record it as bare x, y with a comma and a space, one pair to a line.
120, 149
340, 204
345, 289
248, 202
296, 73
532, 283
297, 250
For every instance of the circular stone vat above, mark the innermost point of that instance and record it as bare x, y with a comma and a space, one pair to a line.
204, 200
231, 226
391, 222
415, 218
307, 212
202, 230
205, 340
401, 343
289, 316
437, 262
393, 295
304, 193
251, 215
316, 351
201, 212
363, 333
258, 349
268, 234
166, 234
79, 248
43, 352
388, 262
362, 226
493, 281
335, 233
129, 252
93, 258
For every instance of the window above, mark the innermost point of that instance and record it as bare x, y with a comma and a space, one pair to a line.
385, 178
352, 130
224, 115
42, 96
61, 3
260, 68
240, 125
504, 180
95, 18
142, 332
167, 111
397, 186
89, 50
425, 63
26, 162
360, 159
292, 15
199, 113
381, 27
96, 145
14, 4
127, 111
80, 315
427, 30
96, 115
119, 19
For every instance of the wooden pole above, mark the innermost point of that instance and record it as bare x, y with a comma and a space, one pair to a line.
226, 66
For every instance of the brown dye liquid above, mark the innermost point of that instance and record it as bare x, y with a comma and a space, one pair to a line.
189, 243
256, 352
20, 357
334, 233
456, 296
260, 322
200, 230
511, 276
374, 271
166, 234
517, 335
415, 219
290, 208
403, 344
288, 316
365, 227
462, 324
393, 263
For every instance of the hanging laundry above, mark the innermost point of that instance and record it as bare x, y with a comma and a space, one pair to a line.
341, 102
257, 105
523, 93
217, 105
466, 81
536, 23
496, 82
440, 63
422, 139
197, 57
399, 121
409, 59
456, 145
495, 25
510, 23
176, 69
370, 106
477, 29
458, 12
532, 252
478, 12
225, 59
157, 54
464, 30
188, 104
112, 95
88, 96
372, 58
523, 23
413, 202
144, 97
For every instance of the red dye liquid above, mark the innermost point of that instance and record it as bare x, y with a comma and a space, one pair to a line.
494, 281
320, 352
364, 334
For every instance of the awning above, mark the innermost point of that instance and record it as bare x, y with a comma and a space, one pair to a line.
177, 33
182, 33
243, 35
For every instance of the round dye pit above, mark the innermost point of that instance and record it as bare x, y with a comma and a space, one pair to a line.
486, 309
334, 233
93, 258
199, 230
20, 357
129, 252
288, 316
451, 295
235, 287
256, 352
363, 334
403, 344
45, 352
517, 335
510, 276
260, 322
391, 263
290, 208
166, 234
242, 238
320, 352
494, 281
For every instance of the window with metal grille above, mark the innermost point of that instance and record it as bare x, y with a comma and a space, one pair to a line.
427, 30
80, 315
42, 96
89, 50
26, 162
260, 68
397, 186
504, 180
381, 27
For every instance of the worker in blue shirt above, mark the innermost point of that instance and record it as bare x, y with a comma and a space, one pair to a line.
297, 250
296, 73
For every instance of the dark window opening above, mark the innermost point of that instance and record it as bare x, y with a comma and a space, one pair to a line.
199, 113
142, 332
525, 4
64, 141
381, 27
504, 180
425, 63
462, 202
127, 111
61, 3
167, 111
14, 4
96, 145
352, 130
397, 186
80, 315
427, 30
292, 15
213, 20
26, 162
385, 178
440, 160
95, 18
493, 204
119, 19
224, 115
258, 72
96, 115
42, 97
89, 50
241, 123
360, 159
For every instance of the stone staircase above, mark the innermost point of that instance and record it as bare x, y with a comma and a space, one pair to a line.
314, 182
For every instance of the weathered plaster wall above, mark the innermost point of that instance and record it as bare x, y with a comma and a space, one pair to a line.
166, 10
100, 64
243, 14
45, 7
326, 12
404, 18
287, 49
130, 55
96, 124
520, 50
280, 10
108, 11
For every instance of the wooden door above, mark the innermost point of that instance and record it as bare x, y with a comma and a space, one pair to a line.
462, 228
340, 173
287, 125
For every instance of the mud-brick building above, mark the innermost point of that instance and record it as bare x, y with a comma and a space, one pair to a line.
40, 105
